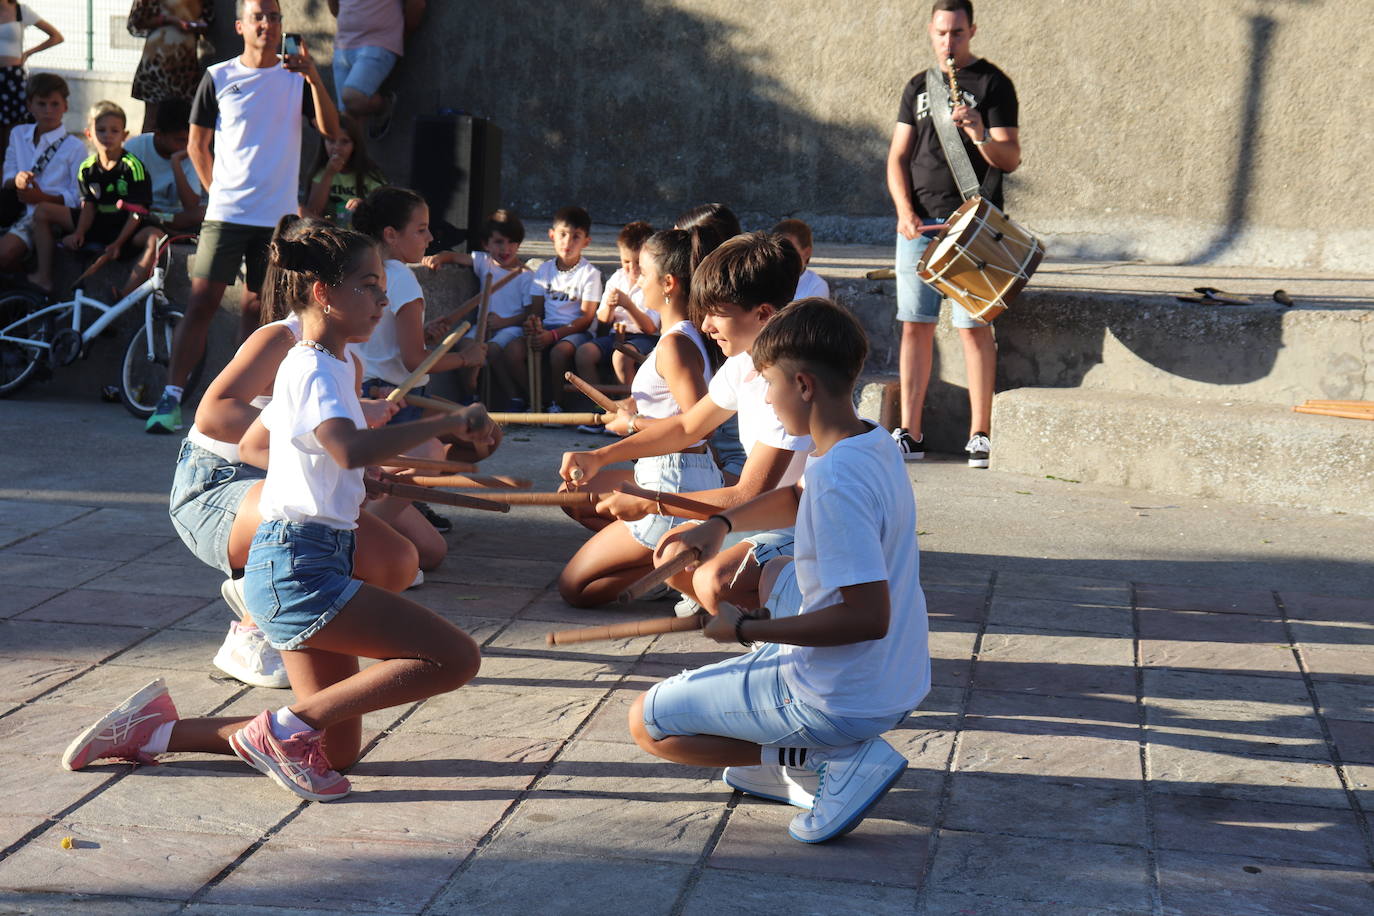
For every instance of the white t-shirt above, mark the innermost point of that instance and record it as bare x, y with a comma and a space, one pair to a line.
738, 387
60, 154
564, 291
12, 33
256, 116
165, 196
381, 353
857, 523
511, 299
810, 285
304, 483
621, 280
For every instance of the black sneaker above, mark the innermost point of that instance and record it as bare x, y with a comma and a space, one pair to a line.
912, 449
979, 445
434, 518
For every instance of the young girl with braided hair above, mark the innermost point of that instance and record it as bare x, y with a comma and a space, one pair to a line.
297, 578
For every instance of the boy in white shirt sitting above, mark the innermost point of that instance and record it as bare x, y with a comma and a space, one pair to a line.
845, 650
566, 292
621, 304
40, 166
799, 234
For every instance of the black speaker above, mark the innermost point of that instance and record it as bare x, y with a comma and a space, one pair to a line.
455, 165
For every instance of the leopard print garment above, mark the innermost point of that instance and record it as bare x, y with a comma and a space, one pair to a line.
169, 68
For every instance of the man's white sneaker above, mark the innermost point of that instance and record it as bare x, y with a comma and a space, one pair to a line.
247, 656
979, 448
791, 785
912, 449
852, 780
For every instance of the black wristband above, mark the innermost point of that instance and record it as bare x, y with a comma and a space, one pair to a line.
729, 526
739, 632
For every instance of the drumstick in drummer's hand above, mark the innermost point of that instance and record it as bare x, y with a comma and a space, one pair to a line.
434, 356
660, 575
596, 397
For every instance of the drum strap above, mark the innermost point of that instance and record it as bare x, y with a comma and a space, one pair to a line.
937, 93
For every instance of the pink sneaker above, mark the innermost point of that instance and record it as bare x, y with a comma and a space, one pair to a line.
123, 731
297, 764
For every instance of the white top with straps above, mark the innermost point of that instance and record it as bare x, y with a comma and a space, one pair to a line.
12, 33
229, 451
653, 398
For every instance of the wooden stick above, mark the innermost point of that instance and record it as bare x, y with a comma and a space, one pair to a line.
567, 498
597, 398
487, 481
434, 355
425, 494
650, 627
432, 403
1338, 412
682, 506
553, 419
483, 311
532, 357
1358, 405
631, 352
660, 575
417, 463
611, 391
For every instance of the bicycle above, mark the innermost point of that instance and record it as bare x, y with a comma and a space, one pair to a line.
32, 333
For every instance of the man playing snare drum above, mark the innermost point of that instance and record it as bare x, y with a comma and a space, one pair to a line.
924, 192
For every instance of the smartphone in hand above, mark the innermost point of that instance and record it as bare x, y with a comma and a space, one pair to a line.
290, 44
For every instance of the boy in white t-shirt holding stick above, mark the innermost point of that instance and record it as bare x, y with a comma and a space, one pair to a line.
736, 290
845, 651
567, 290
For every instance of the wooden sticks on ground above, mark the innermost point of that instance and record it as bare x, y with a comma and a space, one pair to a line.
1350, 410
434, 355
596, 397
633, 628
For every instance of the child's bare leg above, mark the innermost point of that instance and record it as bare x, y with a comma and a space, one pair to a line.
560, 361
45, 216
513, 372
400, 514
588, 358
624, 367
312, 670
605, 566
422, 655
693, 750
731, 575
12, 252
204, 736
148, 238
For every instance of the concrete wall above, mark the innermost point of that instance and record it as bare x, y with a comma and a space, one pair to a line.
1167, 130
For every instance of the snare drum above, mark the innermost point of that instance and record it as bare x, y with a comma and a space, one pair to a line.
982, 259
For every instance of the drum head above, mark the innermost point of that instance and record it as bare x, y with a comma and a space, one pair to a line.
950, 241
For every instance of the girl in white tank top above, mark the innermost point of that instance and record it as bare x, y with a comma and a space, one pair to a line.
673, 378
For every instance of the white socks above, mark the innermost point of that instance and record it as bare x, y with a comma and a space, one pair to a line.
783, 756
174, 391
286, 723
158, 740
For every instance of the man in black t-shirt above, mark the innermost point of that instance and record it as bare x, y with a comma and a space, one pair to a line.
924, 192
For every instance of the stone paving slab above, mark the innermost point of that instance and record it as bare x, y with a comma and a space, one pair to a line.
1059, 670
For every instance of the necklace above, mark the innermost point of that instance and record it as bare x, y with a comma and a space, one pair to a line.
316, 345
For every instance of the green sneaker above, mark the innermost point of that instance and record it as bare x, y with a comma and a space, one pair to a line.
166, 417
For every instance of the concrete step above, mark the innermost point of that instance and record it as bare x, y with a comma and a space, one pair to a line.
1234, 450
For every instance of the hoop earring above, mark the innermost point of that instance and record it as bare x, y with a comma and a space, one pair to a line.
326, 308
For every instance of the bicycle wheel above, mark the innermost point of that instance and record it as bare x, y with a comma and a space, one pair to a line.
18, 362
143, 372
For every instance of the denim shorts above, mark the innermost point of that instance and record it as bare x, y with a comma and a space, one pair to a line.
206, 494
916, 301
641, 342
725, 445
362, 69
298, 577
503, 337
577, 339
680, 472
784, 599
405, 414
746, 697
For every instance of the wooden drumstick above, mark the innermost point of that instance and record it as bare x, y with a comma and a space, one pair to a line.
650, 627
433, 403
416, 463
1349, 413
660, 575
1357, 405
425, 494
483, 481
532, 357
483, 311
682, 506
596, 397
462, 310
566, 498
630, 352
434, 355
610, 391
553, 419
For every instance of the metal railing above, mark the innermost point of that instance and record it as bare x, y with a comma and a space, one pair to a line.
96, 37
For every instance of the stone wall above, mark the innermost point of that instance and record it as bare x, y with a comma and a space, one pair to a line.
1167, 130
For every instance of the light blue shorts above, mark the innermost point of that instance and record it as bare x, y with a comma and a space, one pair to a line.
298, 576
917, 302
746, 697
724, 442
206, 494
681, 472
361, 69
502, 337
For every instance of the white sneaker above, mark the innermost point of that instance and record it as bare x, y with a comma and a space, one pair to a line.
687, 607
852, 780
792, 785
912, 449
231, 590
418, 581
247, 656
979, 448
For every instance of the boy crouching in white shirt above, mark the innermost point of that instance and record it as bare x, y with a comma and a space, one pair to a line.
844, 654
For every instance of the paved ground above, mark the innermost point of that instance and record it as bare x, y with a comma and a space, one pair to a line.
1142, 705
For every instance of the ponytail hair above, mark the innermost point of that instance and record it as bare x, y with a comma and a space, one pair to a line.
303, 252
385, 208
676, 253
714, 225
